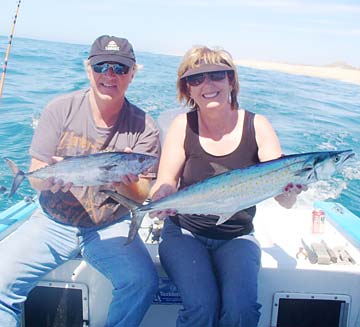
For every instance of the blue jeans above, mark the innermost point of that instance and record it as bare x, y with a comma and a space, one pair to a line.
217, 279
41, 244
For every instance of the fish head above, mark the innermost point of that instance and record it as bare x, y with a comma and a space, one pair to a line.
322, 165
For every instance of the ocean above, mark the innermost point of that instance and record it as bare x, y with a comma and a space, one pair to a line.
308, 114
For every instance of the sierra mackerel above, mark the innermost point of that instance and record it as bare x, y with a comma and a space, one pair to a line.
88, 170
238, 189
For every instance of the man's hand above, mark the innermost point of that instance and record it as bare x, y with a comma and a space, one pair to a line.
135, 187
49, 184
126, 179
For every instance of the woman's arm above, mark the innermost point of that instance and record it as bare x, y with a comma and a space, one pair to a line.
268, 143
269, 148
172, 159
171, 163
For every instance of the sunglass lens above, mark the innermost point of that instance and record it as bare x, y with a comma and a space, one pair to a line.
195, 80
104, 67
217, 76
120, 69
99, 68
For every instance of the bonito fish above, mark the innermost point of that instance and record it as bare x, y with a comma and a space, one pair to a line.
238, 189
88, 170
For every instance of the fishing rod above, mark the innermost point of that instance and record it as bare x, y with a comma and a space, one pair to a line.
8, 50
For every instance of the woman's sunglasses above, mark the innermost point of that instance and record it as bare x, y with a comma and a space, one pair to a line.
197, 79
118, 69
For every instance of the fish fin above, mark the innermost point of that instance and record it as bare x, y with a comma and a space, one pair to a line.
19, 176
137, 217
123, 200
218, 169
303, 170
108, 200
224, 217
307, 171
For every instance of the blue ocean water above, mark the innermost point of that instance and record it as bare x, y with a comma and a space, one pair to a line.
309, 114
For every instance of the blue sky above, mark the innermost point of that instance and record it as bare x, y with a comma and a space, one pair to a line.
304, 32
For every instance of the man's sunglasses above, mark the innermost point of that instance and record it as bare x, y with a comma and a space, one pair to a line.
118, 69
197, 79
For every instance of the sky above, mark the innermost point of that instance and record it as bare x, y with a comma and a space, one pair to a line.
311, 32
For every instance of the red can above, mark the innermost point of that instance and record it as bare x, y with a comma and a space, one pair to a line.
318, 221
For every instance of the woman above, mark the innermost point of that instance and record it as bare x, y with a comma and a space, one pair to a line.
214, 267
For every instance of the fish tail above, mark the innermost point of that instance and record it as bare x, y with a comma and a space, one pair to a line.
19, 176
137, 215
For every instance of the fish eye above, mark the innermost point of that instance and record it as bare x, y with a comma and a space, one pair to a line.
336, 158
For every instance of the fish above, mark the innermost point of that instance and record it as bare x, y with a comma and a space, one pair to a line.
88, 170
238, 189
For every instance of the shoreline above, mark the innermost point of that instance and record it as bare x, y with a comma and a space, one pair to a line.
344, 74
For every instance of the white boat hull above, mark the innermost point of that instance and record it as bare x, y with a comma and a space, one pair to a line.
284, 272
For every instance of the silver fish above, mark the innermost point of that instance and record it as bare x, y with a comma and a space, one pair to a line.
88, 170
238, 189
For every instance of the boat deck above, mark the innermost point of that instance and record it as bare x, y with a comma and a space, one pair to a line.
283, 234
286, 271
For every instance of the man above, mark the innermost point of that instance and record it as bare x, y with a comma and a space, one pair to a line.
75, 220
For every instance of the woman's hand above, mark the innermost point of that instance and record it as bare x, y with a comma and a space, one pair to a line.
163, 191
289, 196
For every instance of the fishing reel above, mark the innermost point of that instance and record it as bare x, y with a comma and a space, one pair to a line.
150, 230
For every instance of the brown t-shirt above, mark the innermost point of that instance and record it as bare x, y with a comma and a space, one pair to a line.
67, 128
200, 165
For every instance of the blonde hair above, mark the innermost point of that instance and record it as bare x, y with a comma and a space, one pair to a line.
197, 56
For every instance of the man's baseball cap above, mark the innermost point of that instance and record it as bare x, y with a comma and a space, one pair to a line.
111, 48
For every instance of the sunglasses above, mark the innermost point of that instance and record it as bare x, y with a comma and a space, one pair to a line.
197, 79
118, 69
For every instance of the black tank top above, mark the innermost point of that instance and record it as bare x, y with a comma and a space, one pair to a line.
200, 165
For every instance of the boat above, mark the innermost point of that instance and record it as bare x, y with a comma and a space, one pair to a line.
309, 275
